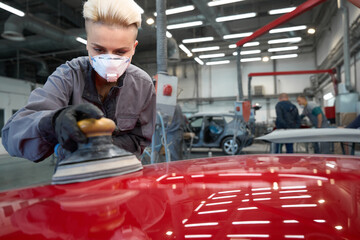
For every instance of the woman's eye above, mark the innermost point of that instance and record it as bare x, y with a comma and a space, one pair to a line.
98, 49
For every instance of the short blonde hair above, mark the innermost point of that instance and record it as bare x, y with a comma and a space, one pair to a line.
119, 12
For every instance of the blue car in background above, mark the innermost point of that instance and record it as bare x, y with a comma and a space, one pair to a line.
217, 131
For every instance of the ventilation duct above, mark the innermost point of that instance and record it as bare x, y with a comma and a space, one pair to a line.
173, 53
13, 29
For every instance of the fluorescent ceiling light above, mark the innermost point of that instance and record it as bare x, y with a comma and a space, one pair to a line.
265, 59
196, 40
256, 59
198, 60
187, 51
204, 49
237, 35
311, 31
288, 29
168, 34
281, 10
249, 44
250, 52
222, 2
218, 63
185, 25
81, 40
284, 56
281, 49
236, 17
212, 55
171, 11
12, 10
285, 40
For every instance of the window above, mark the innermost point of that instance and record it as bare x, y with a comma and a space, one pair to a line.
2, 119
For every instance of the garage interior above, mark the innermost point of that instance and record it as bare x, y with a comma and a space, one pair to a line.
203, 57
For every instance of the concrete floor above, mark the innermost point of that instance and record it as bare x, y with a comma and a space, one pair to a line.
19, 173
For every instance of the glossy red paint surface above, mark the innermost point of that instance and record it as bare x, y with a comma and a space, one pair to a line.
235, 197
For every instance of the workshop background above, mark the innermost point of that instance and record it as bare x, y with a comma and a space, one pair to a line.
202, 56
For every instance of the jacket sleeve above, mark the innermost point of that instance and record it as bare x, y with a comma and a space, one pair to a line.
140, 136
29, 133
297, 118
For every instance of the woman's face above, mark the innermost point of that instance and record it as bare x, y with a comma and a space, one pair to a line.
111, 39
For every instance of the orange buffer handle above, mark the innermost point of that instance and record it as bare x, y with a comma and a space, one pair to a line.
97, 127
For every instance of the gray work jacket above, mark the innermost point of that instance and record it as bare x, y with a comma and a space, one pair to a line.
131, 104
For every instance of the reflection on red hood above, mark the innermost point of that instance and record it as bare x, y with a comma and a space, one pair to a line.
234, 197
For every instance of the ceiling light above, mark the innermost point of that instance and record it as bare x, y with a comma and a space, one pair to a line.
287, 29
256, 59
285, 40
222, 2
232, 46
265, 59
196, 40
187, 51
311, 31
12, 10
280, 49
198, 60
249, 44
212, 55
237, 35
235, 17
185, 25
81, 40
250, 52
150, 21
168, 34
284, 56
281, 10
328, 96
204, 49
171, 11
218, 63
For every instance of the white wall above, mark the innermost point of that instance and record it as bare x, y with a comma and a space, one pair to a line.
14, 94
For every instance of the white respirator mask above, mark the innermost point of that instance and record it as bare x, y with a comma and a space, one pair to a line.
110, 66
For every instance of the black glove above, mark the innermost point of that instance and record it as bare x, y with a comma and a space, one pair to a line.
67, 131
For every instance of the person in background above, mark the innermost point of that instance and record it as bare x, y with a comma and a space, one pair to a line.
287, 117
355, 123
317, 119
104, 83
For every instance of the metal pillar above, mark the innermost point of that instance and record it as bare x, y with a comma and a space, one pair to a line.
346, 48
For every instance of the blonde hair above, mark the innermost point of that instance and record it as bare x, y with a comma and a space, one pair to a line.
119, 12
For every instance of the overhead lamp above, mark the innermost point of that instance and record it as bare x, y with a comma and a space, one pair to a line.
249, 44
255, 59
285, 40
284, 56
150, 21
185, 25
288, 29
198, 60
11, 9
81, 40
237, 35
204, 49
171, 11
311, 31
168, 34
281, 49
222, 2
265, 59
236, 17
281, 10
196, 40
218, 63
216, 55
250, 52
187, 51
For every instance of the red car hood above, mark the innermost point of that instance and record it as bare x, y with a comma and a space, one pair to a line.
234, 197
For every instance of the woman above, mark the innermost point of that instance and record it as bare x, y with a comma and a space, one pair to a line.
104, 83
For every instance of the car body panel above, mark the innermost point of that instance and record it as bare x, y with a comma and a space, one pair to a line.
232, 197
